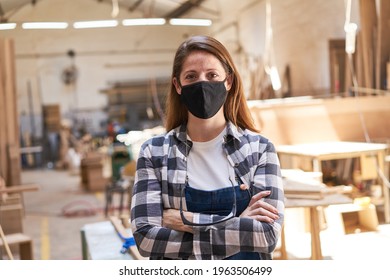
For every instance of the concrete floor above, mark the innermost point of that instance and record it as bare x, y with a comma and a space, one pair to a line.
57, 236
49, 220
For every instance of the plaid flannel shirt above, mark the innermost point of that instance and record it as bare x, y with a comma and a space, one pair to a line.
161, 174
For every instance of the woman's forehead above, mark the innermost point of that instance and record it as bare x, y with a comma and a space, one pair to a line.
203, 59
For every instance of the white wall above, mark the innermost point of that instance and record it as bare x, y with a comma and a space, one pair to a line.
301, 30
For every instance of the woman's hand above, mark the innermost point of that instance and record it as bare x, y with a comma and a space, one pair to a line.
172, 220
260, 210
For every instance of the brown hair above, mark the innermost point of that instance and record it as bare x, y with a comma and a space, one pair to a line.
235, 109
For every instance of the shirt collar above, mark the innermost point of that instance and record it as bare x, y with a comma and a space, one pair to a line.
233, 132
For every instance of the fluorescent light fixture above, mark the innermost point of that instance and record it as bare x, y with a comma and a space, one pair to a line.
6, 26
44, 25
143, 21
350, 30
190, 21
95, 24
275, 79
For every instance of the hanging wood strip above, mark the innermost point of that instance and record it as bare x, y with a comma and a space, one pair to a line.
383, 49
368, 25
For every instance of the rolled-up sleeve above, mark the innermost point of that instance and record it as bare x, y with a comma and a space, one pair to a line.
151, 238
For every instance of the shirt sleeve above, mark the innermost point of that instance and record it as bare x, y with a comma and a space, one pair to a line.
151, 238
245, 234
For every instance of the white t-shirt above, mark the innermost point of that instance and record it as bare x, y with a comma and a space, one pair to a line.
207, 165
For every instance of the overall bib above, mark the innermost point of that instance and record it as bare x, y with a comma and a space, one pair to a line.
220, 202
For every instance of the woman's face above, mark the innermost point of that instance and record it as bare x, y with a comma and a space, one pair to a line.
201, 66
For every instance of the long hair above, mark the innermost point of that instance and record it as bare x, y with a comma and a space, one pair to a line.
235, 108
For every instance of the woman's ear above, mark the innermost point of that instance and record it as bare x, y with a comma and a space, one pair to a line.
229, 82
177, 85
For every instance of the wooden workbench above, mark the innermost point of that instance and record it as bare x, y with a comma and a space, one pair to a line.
100, 241
372, 157
313, 205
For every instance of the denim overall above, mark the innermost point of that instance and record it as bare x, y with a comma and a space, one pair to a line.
220, 202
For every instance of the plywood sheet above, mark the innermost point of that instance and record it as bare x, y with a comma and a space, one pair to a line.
320, 120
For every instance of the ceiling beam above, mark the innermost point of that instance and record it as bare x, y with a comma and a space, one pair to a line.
184, 8
135, 5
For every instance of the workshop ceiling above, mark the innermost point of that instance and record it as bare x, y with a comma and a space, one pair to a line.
146, 8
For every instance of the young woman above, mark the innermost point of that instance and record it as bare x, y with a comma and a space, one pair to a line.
210, 188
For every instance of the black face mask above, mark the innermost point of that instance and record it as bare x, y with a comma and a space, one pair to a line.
204, 99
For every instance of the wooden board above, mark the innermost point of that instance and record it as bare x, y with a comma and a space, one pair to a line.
24, 242
3, 128
10, 165
388, 76
319, 120
383, 48
368, 26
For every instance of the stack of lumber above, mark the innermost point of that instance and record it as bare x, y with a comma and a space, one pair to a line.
92, 172
308, 185
371, 56
300, 184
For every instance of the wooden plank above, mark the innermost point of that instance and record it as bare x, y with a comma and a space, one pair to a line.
12, 119
3, 129
388, 76
368, 23
359, 62
383, 48
4, 241
10, 93
15, 169
21, 188
24, 242
337, 65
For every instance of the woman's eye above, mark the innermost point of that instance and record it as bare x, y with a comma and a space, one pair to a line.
213, 76
190, 77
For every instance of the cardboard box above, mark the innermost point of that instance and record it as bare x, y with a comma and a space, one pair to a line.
92, 173
352, 218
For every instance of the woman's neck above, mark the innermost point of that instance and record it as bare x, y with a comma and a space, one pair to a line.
205, 130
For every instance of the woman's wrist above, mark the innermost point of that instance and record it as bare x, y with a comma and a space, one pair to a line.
172, 220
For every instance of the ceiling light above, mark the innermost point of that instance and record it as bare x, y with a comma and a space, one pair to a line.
143, 21
190, 21
6, 26
44, 25
95, 24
